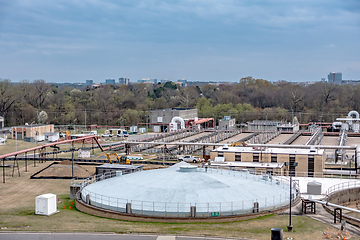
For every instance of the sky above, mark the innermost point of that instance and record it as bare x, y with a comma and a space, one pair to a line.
197, 40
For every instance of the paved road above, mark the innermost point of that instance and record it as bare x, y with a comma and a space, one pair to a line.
89, 236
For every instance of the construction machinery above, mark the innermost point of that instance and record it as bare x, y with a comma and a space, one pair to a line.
122, 159
236, 144
64, 134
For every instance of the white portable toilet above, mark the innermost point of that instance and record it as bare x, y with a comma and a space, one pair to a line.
45, 204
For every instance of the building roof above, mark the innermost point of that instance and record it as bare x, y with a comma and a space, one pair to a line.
33, 125
270, 150
173, 109
248, 164
119, 166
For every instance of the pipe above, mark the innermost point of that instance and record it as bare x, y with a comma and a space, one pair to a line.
335, 205
353, 112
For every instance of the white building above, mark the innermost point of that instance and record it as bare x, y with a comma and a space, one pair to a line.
227, 123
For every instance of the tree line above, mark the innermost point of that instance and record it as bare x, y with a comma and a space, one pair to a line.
115, 105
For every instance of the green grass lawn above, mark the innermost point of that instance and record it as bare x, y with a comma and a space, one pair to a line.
72, 220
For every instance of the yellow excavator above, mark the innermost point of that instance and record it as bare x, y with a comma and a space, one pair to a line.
122, 160
235, 144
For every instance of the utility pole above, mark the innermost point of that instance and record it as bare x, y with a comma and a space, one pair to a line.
16, 134
147, 127
215, 121
85, 119
291, 172
37, 116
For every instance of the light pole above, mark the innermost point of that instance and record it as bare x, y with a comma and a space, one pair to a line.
163, 123
74, 124
290, 164
122, 123
16, 139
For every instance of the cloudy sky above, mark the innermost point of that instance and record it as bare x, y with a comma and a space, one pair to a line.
75, 40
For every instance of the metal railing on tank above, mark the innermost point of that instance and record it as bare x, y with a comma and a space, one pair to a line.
183, 209
342, 186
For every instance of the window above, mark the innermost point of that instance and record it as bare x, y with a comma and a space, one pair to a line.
274, 158
310, 166
292, 165
238, 157
220, 154
255, 157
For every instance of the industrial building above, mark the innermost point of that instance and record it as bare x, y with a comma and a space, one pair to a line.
160, 119
309, 161
31, 130
262, 125
227, 123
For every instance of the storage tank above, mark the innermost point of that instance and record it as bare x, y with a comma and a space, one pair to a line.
355, 127
345, 126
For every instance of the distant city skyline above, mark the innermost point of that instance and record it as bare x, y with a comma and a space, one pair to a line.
205, 40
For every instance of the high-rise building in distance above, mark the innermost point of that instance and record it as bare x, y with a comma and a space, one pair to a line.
123, 81
335, 77
110, 81
89, 82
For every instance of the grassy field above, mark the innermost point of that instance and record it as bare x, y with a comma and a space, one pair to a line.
71, 220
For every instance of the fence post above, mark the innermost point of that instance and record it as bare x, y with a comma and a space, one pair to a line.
128, 208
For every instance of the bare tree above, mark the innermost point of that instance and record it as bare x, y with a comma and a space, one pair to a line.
9, 95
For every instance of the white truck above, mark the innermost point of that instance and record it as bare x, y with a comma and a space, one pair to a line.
54, 138
189, 158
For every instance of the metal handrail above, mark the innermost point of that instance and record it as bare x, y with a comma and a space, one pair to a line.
222, 208
342, 186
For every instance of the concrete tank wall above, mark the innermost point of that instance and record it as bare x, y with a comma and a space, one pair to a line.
345, 196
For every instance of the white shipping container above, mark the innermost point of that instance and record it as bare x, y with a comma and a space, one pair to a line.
45, 204
40, 138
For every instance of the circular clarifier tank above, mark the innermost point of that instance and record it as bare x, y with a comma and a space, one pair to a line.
173, 191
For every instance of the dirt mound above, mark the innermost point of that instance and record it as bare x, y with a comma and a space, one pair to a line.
65, 162
64, 170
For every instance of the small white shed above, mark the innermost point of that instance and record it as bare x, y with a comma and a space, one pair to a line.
314, 188
45, 204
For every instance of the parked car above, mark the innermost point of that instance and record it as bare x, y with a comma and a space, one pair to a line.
122, 135
189, 158
107, 135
